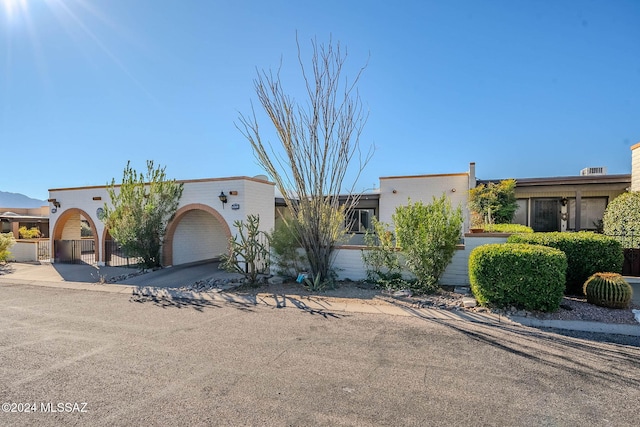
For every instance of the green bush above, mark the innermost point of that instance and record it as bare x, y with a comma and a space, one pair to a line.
382, 256
586, 252
427, 236
510, 274
284, 243
622, 219
6, 241
507, 228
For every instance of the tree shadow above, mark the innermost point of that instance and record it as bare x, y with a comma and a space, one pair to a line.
604, 362
198, 304
282, 301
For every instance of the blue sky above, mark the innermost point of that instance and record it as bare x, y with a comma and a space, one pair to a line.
522, 88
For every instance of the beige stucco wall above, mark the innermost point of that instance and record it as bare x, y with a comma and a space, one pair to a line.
635, 167
396, 191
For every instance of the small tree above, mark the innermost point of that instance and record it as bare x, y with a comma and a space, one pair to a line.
319, 141
427, 236
496, 203
29, 233
621, 219
248, 251
6, 241
141, 208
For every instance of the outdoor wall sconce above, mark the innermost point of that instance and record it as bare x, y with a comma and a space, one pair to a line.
564, 201
55, 202
223, 198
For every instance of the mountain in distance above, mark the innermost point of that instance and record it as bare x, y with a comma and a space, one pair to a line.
17, 200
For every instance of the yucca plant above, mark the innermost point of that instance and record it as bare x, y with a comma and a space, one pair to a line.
608, 290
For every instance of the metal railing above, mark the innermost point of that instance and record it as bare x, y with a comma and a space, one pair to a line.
631, 246
75, 251
115, 256
44, 251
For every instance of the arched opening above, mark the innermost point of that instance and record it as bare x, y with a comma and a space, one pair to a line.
197, 233
75, 238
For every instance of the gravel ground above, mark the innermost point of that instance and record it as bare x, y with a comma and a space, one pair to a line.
571, 307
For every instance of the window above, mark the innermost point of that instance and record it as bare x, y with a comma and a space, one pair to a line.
591, 212
359, 220
521, 215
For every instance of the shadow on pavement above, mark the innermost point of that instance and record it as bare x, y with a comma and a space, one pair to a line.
549, 348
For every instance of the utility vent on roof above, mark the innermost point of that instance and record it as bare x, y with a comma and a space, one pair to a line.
593, 171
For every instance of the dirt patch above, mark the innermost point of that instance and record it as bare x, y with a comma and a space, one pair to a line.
571, 307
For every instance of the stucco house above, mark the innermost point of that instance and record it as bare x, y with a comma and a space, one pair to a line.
199, 230
11, 219
203, 223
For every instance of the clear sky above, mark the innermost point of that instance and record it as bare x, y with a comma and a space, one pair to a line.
523, 88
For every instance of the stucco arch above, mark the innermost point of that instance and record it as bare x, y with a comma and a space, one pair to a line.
167, 247
61, 222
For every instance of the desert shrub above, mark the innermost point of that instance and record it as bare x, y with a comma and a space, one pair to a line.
248, 251
427, 236
29, 233
510, 274
6, 241
382, 256
621, 219
283, 240
507, 228
586, 252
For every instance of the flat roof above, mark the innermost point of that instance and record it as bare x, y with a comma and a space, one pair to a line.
567, 180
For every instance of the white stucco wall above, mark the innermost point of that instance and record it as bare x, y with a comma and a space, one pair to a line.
199, 236
348, 261
24, 251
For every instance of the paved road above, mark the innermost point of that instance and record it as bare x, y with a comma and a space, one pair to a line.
137, 361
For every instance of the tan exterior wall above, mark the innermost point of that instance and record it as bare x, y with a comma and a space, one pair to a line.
72, 228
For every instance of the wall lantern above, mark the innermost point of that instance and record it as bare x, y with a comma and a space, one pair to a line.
223, 198
55, 202
564, 201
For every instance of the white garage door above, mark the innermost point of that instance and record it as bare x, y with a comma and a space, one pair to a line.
199, 236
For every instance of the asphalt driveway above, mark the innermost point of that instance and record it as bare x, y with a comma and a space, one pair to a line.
171, 277
149, 361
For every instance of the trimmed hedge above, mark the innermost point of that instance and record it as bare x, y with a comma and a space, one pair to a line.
587, 253
510, 274
507, 228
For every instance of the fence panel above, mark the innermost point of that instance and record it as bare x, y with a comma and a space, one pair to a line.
631, 244
116, 257
75, 251
44, 250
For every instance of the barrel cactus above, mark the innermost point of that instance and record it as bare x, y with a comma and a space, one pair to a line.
608, 290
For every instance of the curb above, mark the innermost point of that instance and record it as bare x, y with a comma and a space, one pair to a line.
580, 325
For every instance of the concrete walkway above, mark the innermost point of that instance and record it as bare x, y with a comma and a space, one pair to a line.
163, 284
